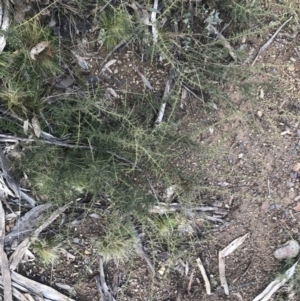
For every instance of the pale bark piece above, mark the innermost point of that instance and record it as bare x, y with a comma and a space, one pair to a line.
37, 49
3, 259
276, 284
153, 22
167, 92
144, 79
42, 289
16, 293
4, 21
12, 185
205, 278
225, 252
222, 274
234, 245
107, 65
36, 126
27, 198
66, 287
16, 257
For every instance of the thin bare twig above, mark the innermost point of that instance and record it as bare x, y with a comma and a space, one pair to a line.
9, 138
205, 278
167, 92
267, 44
223, 41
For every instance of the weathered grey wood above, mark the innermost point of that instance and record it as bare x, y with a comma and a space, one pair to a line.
7, 288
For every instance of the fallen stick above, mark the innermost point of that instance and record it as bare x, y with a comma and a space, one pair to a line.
18, 254
267, 44
7, 288
102, 285
225, 252
224, 42
9, 138
205, 278
167, 90
38, 288
153, 22
276, 284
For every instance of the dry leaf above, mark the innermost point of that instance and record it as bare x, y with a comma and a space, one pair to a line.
297, 208
291, 67
36, 126
265, 206
25, 126
37, 49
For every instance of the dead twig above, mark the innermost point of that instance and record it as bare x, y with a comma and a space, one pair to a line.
102, 285
153, 22
276, 284
38, 288
205, 278
8, 177
167, 91
3, 259
9, 138
225, 252
190, 282
267, 44
223, 41
111, 52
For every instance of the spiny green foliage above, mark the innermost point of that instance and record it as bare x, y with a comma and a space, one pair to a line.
115, 26
47, 251
118, 242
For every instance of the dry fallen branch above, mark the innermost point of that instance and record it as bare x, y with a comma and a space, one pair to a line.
18, 254
276, 284
25, 225
38, 288
267, 44
225, 252
102, 285
3, 259
205, 278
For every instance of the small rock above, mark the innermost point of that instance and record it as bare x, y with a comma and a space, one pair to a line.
291, 67
296, 167
259, 114
289, 250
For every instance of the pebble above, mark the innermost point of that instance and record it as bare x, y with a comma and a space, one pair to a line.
289, 250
